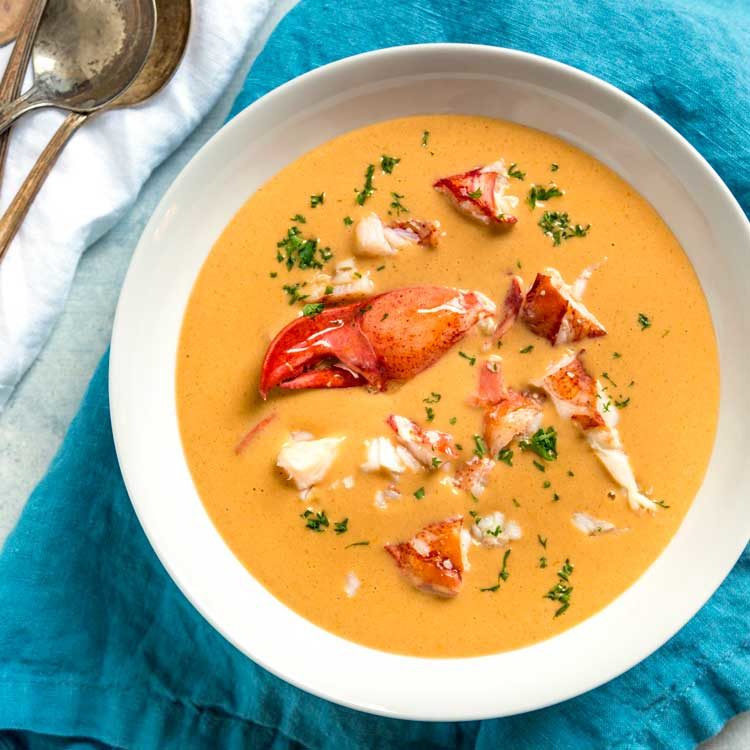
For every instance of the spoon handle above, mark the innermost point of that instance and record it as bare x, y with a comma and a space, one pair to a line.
10, 86
19, 206
11, 111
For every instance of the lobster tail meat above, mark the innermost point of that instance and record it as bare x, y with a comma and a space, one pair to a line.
392, 336
553, 311
579, 397
508, 414
435, 558
373, 238
481, 194
431, 448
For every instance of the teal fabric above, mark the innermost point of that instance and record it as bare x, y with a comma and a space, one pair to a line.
98, 648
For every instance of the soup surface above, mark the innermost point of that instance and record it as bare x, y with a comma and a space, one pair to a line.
657, 368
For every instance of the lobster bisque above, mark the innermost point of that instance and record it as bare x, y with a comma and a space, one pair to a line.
668, 371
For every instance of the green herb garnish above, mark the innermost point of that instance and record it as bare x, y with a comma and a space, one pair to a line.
554, 167
475, 193
293, 291
543, 443
526, 349
557, 225
542, 562
313, 308
348, 221
295, 250
502, 575
514, 171
299, 218
315, 521
539, 466
622, 403
425, 138
540, 193
644, 321
368, 189
433, 398
480, 448
430, 413
562, 590
396, 204
357, 544
317, 200
341, 527
419, 494
472, 360
542, 540
387, 163
506, 456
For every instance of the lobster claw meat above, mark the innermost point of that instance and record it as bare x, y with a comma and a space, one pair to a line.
481, 194
392, 336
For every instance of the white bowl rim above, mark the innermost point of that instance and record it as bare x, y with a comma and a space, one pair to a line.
625, 658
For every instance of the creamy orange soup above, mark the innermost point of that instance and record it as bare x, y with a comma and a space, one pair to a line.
657, 366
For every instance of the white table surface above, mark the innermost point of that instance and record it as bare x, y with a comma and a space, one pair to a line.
35, 420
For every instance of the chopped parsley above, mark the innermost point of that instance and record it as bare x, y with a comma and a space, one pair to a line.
480, 448
557, 225
644, 321
605, 375
433, 398
299, 218
348, 221
396, 204
472, 360
542, 540
541, 193
380, 268
387, 163
453, 420
542, 562
570, 473
273, 274
357, 544
621, 404
515, 502
562, 590
555, 497
616, 355
546, 484
293, 291
329, 289
419, 494
368, 189
502, 575
315, 521
514, 171
506, 456
539, 466
313, 308
436, 462
341, 527
425, 138
554, 167
430, 412
459, 447
661, 504
543, 443
526, 349
475, 193
317, 200
294, 250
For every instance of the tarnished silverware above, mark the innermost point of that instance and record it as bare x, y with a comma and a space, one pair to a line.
10, 85
172, 31
86, 53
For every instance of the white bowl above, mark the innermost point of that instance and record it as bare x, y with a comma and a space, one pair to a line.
264, 138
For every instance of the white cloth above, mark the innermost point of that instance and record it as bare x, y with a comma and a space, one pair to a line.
99, 175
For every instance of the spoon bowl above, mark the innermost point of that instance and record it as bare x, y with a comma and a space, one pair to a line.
87, 52
174, 20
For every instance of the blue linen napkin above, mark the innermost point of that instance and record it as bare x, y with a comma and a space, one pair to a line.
98, 648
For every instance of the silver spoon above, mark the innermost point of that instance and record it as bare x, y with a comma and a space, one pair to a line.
172, 31
86, 53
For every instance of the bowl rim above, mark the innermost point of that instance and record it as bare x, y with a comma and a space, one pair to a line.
120, 421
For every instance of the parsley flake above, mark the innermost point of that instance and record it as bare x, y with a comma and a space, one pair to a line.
348, 221
397, 206
557, 225
341, 527
425, 138
315, 521
472, 360
299, 218
480, 448
540, 193
313, 308
506, 456
526, 349
387, 163
419, 494
543, 443
562, 590
502, 575
317, 200
433, 398
293, 291
357, 544
294, 250
368, 189
644, 321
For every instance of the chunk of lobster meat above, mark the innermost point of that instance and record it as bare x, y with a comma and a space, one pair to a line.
384, 456
587, 524
552, 310
435, 558
307, 461
579, 397
492, 530
508, 414
373, 238
473, 476
392, 336
512, 305
431, 448
481, 194
346, 283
